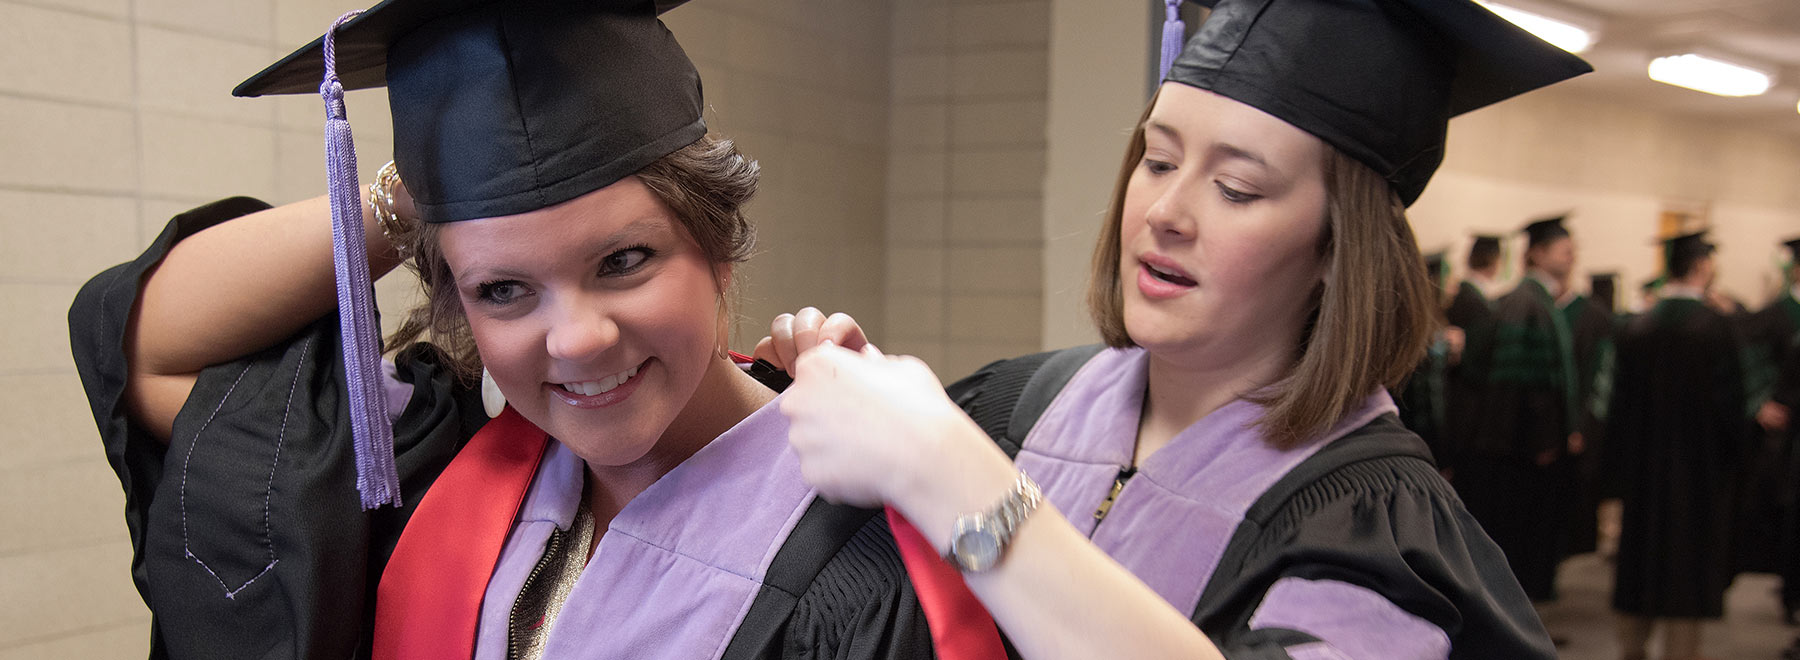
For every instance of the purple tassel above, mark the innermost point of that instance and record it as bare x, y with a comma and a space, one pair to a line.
376, 477
1173, 31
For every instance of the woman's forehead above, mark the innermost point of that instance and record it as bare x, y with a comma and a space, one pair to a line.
1199, 117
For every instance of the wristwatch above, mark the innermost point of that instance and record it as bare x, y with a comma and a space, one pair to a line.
979, 540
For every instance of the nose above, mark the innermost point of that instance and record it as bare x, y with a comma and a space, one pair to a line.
1169, 214
580, 330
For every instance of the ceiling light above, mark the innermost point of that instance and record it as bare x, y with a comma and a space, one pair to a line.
1567, 36
1710, 75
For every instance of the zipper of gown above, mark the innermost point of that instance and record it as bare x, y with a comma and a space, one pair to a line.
1119, 480
552, 549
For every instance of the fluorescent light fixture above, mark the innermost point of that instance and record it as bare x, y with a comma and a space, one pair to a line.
1567, 36
1711, 75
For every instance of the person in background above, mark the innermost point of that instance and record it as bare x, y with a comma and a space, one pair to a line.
1226, 477
1471, 311
1528, 416
1591, 324
1422, 399
1772, 340
1676, 427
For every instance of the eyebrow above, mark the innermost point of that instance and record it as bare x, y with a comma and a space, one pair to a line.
635, 231
1223, 148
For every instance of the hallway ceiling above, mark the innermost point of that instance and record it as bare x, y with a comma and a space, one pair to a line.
1765, 33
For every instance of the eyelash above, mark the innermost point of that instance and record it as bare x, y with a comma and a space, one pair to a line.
1232, 195
1235, 196
486, 292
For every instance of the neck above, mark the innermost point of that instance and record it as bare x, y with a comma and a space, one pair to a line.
726, 396
1179, 395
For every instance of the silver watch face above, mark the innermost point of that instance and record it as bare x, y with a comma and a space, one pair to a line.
976, 549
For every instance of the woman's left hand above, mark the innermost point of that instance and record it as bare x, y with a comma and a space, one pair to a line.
873, 429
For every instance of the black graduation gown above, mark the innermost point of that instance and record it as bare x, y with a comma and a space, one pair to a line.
1369, 508
247, 531
1591, 328
1527, 409
1422, 401
1677, 429
1787, 393
1465, 381
1771, 336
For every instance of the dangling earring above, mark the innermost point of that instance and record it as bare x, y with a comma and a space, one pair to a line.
722, 332
492, 400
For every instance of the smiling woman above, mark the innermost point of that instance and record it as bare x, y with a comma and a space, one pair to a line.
636, 497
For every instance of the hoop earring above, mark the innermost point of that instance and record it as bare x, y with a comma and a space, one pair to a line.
493, 401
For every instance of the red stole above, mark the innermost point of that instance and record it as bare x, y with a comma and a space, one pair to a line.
428, 605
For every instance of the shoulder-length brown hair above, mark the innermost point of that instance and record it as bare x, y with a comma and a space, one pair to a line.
706, 184
1372, 316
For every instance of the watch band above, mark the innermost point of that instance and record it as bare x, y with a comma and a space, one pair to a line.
979, 540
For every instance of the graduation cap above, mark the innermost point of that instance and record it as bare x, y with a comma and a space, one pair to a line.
1545, 230
1377, 79
506, 107
1682, 251
499, 108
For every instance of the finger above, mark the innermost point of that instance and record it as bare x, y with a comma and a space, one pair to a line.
871, 351
840, 327
781, 331
807, 323
765, 350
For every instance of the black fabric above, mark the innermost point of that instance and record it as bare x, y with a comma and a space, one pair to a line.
1466, 380
836, 589
1677, 432
258, 483
1369, 509
1592, 326
501, 108
248, 538
1377, 79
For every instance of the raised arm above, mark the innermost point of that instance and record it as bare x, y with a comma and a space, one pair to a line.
230, 290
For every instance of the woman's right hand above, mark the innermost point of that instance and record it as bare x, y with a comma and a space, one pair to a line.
793, 334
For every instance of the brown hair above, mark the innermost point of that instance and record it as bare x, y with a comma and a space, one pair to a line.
1372, 318
705, 183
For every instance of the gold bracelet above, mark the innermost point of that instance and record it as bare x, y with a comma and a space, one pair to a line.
381, 205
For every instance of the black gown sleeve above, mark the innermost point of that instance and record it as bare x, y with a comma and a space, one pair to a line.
1374, 559
836, 589
247, 531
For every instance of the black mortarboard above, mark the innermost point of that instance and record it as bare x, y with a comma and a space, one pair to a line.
1377, 79
500, 107
506, 107
1539, 232
1681, 251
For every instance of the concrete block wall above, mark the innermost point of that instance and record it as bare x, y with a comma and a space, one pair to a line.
966, 154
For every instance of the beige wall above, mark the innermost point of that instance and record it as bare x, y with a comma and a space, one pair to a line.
965, 181
1617, 167
1098, 86
115, 114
